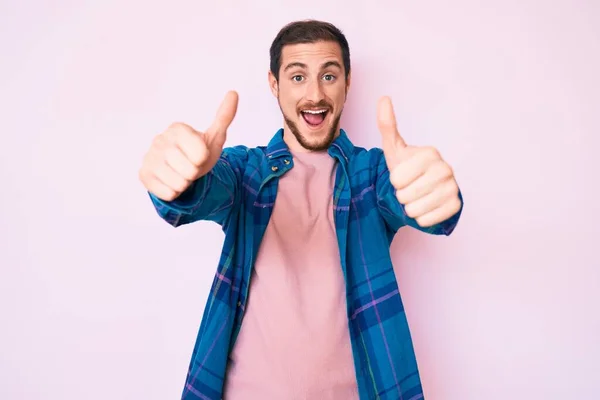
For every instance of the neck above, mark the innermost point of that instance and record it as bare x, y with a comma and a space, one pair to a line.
291, 141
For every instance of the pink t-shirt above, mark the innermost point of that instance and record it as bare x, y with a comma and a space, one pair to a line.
294, 342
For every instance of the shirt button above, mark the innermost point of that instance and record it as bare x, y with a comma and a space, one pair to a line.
286, 162
274, 168
239, 303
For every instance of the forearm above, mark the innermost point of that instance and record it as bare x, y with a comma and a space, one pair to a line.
210, 197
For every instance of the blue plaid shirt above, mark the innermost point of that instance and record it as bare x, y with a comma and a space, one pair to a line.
239, 194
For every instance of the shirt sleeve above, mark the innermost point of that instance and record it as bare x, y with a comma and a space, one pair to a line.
211, 197
393, 212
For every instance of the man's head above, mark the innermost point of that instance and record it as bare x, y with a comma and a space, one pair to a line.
310, 76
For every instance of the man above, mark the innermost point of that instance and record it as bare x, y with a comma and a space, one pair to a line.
304, 304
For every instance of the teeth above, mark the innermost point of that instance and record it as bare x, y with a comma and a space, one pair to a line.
314, 111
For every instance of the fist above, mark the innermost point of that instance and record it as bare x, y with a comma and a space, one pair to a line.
423, 181
180, 155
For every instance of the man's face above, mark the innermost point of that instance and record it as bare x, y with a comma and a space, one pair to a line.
311, 92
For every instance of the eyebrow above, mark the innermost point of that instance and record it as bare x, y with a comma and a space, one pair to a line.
304, 66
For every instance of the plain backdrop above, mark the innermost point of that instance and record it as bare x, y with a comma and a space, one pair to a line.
100, 299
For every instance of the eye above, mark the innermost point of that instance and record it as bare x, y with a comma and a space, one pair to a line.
297, 78
329, 77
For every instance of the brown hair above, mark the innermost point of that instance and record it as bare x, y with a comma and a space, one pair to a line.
307, 31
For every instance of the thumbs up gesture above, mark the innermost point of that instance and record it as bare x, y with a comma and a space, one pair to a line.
180, 155
423, 181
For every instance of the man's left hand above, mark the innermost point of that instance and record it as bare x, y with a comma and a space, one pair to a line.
423, 181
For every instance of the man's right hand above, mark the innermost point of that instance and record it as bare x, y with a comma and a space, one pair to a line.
180, 155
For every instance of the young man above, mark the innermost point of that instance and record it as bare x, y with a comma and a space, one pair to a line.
304, 304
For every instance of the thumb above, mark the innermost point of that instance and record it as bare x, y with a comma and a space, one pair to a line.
225, 114
386, 122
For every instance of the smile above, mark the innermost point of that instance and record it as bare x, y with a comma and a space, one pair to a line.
315, 117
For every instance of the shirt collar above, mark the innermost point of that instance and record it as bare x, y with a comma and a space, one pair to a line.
341, 148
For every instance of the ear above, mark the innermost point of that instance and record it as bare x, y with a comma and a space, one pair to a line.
273, 84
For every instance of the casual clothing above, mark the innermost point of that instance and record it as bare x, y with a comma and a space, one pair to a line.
294, 342
240, 194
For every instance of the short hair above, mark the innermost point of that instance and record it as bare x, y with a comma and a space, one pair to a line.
307, 31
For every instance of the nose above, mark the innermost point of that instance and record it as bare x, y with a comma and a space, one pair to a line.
314, 91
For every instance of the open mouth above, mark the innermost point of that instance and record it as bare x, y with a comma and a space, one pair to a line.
314, 118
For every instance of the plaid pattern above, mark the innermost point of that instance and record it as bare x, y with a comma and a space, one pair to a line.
239, 194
